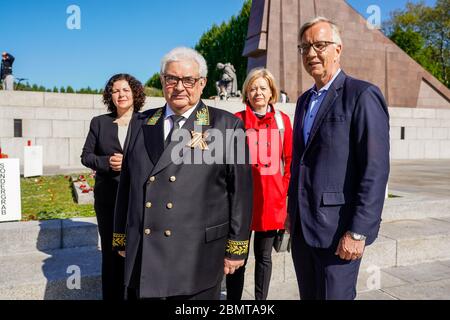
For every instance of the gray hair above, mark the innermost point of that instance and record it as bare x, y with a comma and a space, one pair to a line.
316, 20
184, 53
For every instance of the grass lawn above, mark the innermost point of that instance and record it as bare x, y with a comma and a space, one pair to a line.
50, 197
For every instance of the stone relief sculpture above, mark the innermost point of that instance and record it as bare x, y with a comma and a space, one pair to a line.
227, 84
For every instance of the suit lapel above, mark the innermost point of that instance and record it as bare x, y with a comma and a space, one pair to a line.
129, 134
303, 109
326, 105
113, 134
133, 131
153, 130
189, 125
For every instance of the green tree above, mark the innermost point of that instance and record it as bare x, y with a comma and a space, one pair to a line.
62, 90
225, 43
154, 81
55, 89
424, 33
70, 89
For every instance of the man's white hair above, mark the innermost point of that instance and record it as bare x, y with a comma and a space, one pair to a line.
316, 20
184, 53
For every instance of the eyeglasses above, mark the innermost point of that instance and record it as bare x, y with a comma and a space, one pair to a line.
188, 82
319, 46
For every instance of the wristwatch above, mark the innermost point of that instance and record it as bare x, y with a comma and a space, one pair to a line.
356, 236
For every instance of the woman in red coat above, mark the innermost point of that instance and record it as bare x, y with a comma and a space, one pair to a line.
270, 139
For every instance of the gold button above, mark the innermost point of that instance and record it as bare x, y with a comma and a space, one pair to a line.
169, 205
147, 231
148, 205
172, 178
167, 233
152, 178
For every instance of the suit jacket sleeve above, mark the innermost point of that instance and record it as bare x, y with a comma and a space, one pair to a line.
240, 190
371, 139
88, 157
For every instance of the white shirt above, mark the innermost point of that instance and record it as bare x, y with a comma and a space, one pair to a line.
122, 134
168, 124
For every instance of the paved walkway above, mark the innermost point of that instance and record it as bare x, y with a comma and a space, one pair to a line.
427, 178
428, 281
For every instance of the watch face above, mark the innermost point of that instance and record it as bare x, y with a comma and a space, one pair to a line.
355, 236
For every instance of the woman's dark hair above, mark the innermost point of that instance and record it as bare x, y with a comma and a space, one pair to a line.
136, 88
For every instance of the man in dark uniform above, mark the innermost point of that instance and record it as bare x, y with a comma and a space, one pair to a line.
183, 224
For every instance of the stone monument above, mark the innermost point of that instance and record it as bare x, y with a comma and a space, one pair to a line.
272, 40
227, 84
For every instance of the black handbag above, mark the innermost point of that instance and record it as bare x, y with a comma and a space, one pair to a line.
282, 241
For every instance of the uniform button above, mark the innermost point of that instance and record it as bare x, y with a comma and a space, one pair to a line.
267, 125
172, 178
148, 205
266, 165
167, 233
147, 231
152, 178
169, 205
256, 165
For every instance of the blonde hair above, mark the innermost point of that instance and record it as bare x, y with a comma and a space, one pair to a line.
316, 20
260, 73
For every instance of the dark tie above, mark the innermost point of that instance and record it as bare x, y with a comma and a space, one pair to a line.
176, 125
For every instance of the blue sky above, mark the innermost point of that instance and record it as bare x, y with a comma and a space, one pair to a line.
115, 36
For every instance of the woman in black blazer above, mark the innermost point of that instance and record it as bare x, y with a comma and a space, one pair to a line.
103, 151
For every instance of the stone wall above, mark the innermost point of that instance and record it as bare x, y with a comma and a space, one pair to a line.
60, 123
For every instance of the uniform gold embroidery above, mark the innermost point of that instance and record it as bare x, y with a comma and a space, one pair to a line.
202, 117
118, 240
154, 119
237, 247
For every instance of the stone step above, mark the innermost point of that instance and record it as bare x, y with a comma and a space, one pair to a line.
419, 281
400, 243
52, 275
413, 206
419, 241
36, 236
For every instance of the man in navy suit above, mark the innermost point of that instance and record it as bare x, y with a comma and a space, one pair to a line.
340, 169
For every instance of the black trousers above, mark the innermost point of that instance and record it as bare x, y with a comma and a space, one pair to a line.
322, 275
263, 243
208, 294
112, 263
